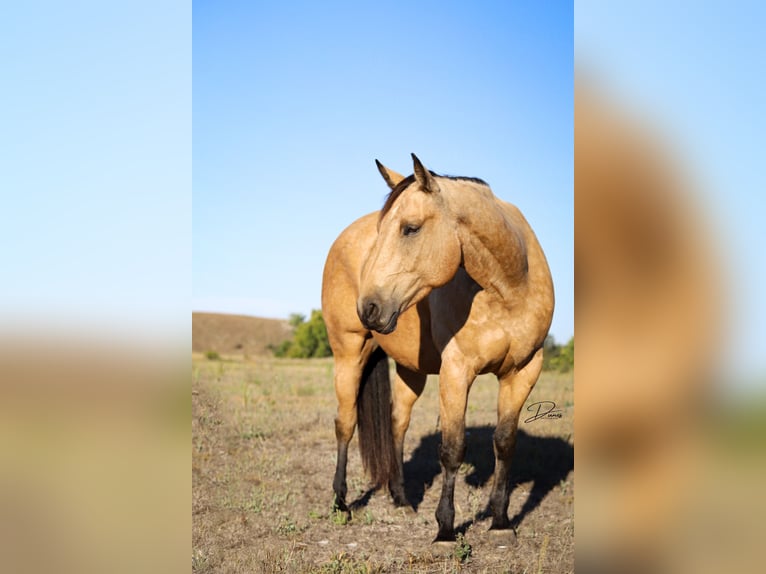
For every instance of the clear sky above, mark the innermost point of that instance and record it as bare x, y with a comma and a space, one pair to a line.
95, 167
293, 102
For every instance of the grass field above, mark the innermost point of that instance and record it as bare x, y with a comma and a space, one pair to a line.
263, 457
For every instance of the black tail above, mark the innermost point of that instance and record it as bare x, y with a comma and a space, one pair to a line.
373, 407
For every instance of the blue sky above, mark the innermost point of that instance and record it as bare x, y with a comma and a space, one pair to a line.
95, 167
293, 102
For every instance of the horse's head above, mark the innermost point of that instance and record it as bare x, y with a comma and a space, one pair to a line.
417, 249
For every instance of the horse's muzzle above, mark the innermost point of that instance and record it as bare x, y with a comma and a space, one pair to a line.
375, 317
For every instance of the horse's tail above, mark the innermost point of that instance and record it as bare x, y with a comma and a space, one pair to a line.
373, 407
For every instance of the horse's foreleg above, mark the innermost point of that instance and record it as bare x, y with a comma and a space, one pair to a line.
453, 397
513, 393
347, 376
407, 387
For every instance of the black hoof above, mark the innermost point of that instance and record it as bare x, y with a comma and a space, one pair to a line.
396, 489
339, 505
400, 501
500, 524
445, 536
503, 537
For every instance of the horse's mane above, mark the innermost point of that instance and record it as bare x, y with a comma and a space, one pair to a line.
410, 179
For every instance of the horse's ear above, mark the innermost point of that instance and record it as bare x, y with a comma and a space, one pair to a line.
392, 178
423, 176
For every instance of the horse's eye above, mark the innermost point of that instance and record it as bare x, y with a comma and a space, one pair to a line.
409, 229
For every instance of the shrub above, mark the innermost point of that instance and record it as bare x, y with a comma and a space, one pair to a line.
558, 357
309, 338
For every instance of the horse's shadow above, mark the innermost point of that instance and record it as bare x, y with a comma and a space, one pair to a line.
544, 460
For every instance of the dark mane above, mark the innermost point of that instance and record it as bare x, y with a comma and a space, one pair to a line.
410, 179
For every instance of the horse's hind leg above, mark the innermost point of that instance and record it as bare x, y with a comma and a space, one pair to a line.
407, 387
348, 374
513, 393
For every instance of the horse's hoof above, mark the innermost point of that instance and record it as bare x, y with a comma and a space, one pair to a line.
406, 510
448, 537
398, 496
339, 505
441, 548
503, 536
400, 502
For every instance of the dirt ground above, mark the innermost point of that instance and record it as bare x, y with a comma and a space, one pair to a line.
263, 457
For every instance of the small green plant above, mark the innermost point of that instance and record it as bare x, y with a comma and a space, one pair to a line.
287, 526
340, 517
255, 502
250, 433
462, 549
343, 563
212, 356
368, 517
335, 566
199, 562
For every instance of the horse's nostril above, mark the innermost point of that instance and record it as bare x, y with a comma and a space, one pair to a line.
371, 311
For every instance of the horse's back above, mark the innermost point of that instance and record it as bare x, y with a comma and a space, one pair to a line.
540, 294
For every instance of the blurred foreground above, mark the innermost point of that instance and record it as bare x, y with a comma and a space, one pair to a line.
94, 457
670, 464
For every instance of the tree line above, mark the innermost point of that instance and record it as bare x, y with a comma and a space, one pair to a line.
558, 357
309, 340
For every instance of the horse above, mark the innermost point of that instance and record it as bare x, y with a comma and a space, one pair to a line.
445, 279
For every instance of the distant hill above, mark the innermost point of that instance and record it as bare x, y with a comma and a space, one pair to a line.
236, 334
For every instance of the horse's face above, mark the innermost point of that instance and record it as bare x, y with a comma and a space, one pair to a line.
416, 250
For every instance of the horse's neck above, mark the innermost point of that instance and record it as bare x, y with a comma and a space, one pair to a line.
494, 250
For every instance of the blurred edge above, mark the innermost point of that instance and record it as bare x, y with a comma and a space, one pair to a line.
94, 457
94, 297
669, 450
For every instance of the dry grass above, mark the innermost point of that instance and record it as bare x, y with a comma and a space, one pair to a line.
264, 457
237, 335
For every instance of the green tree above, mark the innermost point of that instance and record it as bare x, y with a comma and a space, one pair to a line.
557, 357
567, 355
309, 338
550, 352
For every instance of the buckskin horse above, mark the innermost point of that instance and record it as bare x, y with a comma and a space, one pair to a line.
446, 278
